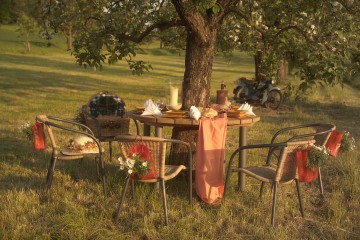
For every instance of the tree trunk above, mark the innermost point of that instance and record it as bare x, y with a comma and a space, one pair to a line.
68, 34
257, 59
196, 86
282, 70
198, 69
27, 46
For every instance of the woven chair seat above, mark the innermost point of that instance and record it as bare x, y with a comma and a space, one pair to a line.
171, 171
264, 173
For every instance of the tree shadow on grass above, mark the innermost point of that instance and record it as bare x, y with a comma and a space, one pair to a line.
344, 117
39, 83
25, 169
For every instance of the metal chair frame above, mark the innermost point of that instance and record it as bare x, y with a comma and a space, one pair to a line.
320, 135
59, 123
157, 148
279, 172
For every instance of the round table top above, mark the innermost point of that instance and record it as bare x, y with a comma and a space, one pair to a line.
186, 121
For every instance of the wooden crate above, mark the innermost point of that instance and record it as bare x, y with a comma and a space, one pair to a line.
109, 119
107, 126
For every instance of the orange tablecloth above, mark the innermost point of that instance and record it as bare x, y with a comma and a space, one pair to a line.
210, 157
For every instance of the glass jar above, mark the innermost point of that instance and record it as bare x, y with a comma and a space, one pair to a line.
173, 94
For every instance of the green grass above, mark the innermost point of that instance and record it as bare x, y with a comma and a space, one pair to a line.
47, 80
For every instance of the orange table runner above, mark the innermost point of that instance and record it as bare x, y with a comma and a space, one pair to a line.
210, 157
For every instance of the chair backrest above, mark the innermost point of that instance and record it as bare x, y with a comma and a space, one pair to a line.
320, 134
157, 147
66, 125
44, 119
287, 164
326, 130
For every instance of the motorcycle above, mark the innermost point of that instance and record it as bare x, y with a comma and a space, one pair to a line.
263, 92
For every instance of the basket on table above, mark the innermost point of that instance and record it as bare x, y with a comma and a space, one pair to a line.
105, 115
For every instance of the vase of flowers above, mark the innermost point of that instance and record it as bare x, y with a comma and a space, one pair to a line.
347, 142
26, 129
308, 161
317, 156
135, 165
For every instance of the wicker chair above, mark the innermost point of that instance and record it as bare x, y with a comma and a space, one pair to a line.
157, 147
64, 127
284, 172
320, 132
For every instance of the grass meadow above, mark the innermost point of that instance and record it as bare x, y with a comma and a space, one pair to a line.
48, 81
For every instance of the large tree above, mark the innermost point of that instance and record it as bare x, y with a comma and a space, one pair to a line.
112, 30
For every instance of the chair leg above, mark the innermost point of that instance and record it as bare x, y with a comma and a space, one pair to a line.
123, 193
261, 190
274, 204
190, 187
50, 174
162, 183
97, 164
132, 189
102, 174
320, 183
110, 151
299, 196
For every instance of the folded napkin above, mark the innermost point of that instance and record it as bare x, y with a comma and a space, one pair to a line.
151, 108
248, 108
194, 113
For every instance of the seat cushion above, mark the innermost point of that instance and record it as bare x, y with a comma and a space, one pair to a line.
171, 171
262, 173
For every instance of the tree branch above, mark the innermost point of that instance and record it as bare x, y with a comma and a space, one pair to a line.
159, 25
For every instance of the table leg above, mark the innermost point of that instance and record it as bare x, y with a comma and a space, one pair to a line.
146, 130
242, 157
158, 132
110, 150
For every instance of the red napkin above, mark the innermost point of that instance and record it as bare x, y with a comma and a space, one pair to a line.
39, 136
334, 142
305, 174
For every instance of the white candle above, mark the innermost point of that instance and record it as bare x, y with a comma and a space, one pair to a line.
174, 92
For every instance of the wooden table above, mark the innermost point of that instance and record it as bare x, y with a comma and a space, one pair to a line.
160, 122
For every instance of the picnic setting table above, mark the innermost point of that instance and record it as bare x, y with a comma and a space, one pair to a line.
183, 120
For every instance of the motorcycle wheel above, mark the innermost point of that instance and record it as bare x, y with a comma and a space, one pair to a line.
274, 99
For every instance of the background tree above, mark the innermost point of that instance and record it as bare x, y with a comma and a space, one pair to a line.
27, 26
62, 16
314, 37
7, 12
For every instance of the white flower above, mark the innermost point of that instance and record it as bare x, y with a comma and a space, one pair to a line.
144, 164
120, 160
130, 171
130, 162
122, 167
